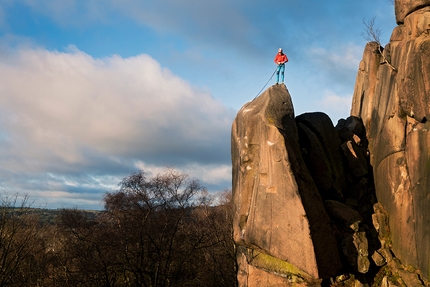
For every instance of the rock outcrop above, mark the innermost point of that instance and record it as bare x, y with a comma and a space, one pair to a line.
303, 195
405, 7
280, 226
394, 106
316, 204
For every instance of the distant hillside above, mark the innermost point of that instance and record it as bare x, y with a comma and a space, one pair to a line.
48, 216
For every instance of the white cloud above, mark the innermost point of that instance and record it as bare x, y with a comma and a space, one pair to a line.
345, 57
88, 120
62, 199
68, 113
209, 173
335, 105
150, 169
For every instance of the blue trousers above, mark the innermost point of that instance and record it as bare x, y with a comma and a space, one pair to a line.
281, 69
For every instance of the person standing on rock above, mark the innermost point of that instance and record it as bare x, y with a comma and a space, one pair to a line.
280, 60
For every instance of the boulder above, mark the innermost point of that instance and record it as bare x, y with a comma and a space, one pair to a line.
355, 249
378, 259
406, 7
417, 24
344, 214
320, 145
356, 158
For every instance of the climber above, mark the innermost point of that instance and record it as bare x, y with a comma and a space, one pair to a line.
280, 60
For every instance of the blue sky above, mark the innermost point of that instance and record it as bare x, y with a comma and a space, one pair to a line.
93, 90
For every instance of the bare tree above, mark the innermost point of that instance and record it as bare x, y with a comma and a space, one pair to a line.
87, 251
22, 249
215, 213
373, 34
171, 231
165, 230
153, 219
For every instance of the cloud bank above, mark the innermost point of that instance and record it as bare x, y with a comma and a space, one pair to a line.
73, 124
145, 86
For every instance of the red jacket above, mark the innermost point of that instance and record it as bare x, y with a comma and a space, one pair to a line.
280, 59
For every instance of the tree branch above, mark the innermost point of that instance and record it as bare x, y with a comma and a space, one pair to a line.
373, 34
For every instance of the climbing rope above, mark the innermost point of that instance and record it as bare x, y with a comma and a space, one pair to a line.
266, 83
262, 87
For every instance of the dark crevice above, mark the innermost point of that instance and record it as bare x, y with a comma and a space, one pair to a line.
361, 102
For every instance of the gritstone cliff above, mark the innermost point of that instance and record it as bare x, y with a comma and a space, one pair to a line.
279, 212
395, 108
316, 204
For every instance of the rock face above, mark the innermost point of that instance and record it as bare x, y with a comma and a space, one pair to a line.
303, 196
315, 204
305, 207
405, 7
395, 107
281, 226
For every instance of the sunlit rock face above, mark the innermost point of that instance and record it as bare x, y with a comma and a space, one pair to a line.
281, 228
395, 108
314, 202
303, 196
405, 7
305, 206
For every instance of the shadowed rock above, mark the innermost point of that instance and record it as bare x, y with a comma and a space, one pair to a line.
319, 143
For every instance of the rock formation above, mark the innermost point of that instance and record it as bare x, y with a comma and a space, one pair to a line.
303, 195
279, 214
395, 108
405, 7
316, 204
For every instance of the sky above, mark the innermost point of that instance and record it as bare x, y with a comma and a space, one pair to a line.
94, 90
